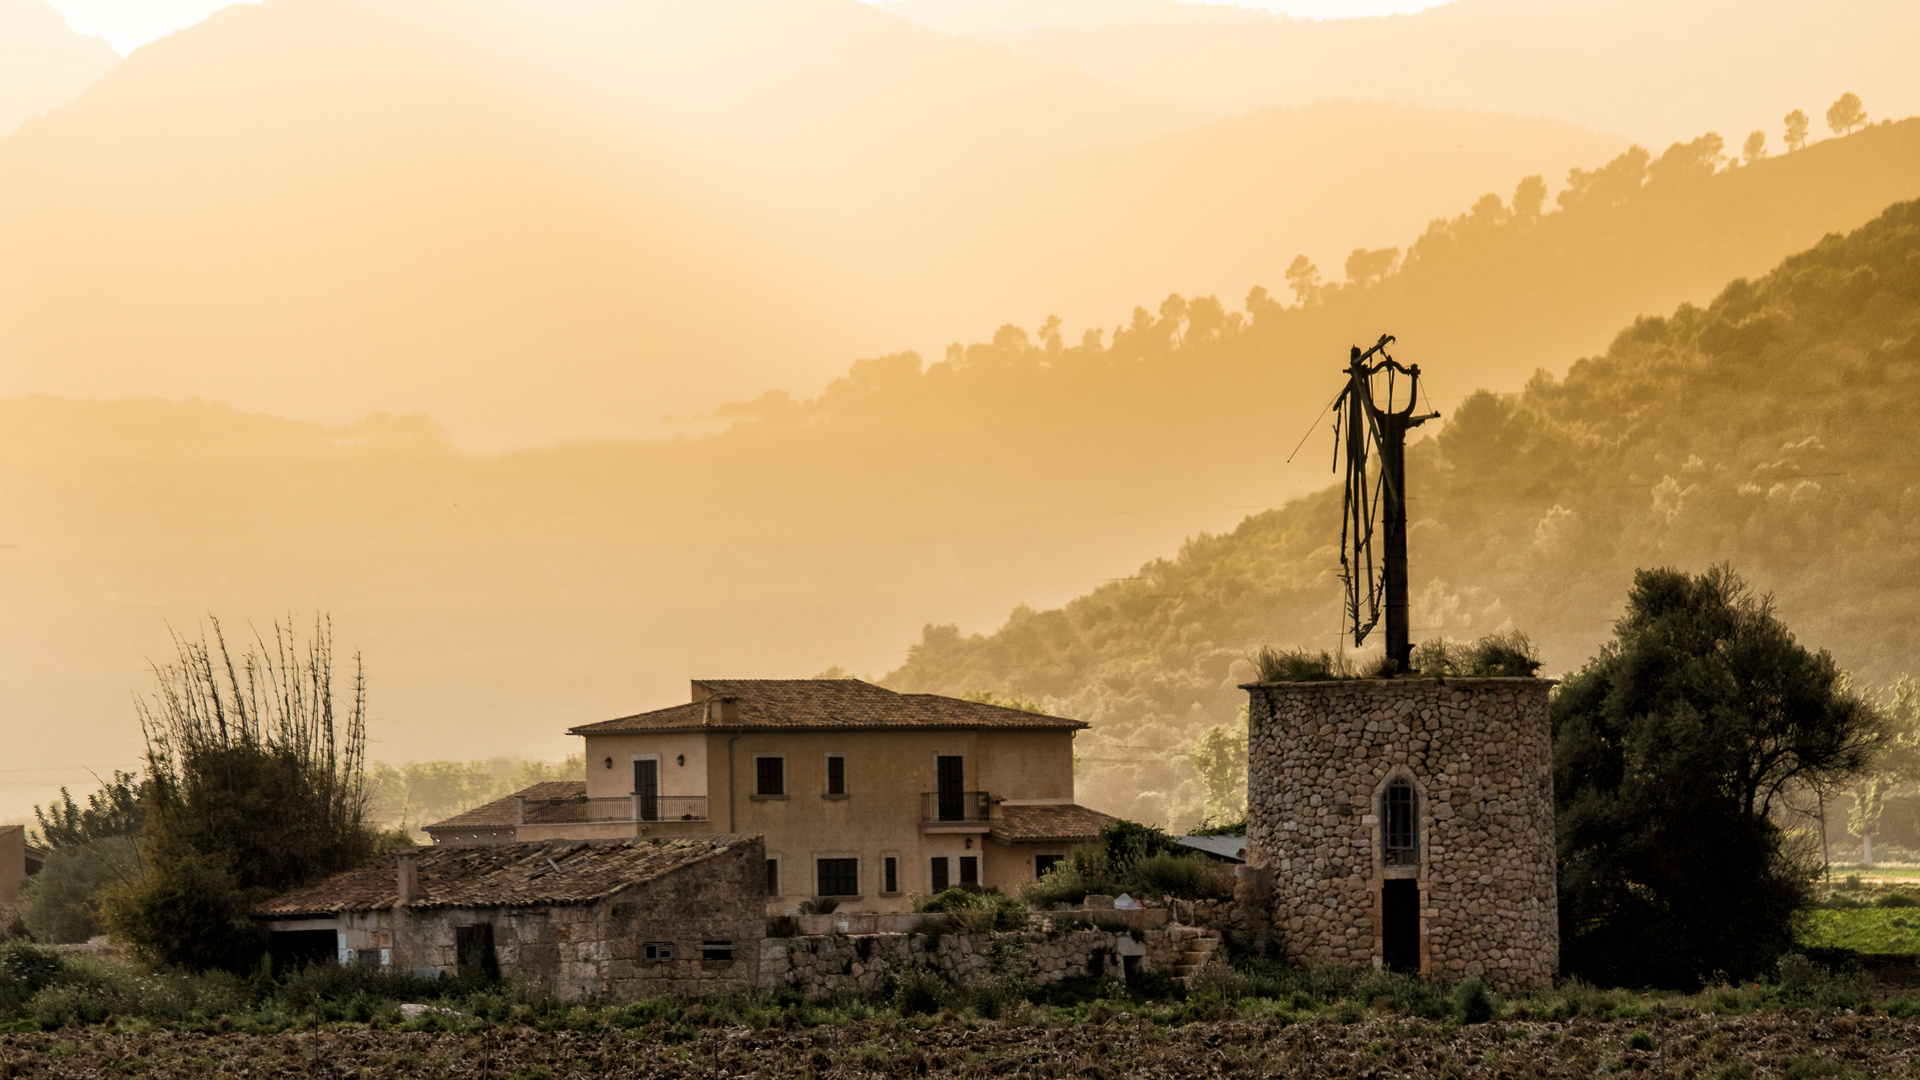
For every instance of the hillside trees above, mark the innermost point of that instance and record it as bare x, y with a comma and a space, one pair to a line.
255, 786
1766, 427
1673, 751
1796, 134
1846, 114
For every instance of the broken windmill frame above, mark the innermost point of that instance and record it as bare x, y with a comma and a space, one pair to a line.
1374, 499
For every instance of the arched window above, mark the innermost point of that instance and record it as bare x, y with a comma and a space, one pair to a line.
1399, 824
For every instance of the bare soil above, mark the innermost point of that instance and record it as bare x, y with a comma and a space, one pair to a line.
1765, 1044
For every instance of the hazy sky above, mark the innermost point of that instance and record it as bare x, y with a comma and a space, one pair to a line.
129, 24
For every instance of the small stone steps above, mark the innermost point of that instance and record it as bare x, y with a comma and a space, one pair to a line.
1197, 947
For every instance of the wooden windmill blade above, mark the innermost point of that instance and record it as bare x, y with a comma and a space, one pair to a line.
1376, 583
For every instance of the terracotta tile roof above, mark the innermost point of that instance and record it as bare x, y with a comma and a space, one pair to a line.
1061, 824
555, 800
505, 875
760, 704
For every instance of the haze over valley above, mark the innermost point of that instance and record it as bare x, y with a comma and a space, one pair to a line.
566, 351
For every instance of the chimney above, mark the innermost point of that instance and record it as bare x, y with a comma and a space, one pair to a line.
409, 878
519, 809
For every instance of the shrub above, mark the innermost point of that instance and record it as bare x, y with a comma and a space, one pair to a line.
1896, 899
1640, 1040
1187, 877
25, 971
825, 905
783, 926
1499, 655
1472, 1002
1300, 665
975, 910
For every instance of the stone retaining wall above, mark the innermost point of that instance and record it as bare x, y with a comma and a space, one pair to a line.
835, 963
1479, 756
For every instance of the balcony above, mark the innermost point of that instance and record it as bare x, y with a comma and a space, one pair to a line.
631, 808
953, 806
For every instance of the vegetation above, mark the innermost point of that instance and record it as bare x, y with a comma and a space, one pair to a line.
1674, 752
1535, 510
254, 786
420, 793
89, 848
1132, 859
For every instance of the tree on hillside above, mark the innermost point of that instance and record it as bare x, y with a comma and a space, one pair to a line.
1220, 757
1898, 763
1367, 267
255, 786
1796, 130
1755, 147
1846, 114
1673, 751
1304, 279
1529, 196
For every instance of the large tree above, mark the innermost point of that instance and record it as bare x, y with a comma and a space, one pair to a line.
255, 785
1674, 752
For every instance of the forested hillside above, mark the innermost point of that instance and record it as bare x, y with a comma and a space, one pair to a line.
500, 599
1770, 429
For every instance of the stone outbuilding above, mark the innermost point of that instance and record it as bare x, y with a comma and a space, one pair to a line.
19, 861
633, 917
1407, 823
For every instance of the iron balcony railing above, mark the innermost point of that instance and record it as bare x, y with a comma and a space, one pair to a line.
639, 807
953, 806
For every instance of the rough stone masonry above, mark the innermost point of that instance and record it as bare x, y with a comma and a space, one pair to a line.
1477, 754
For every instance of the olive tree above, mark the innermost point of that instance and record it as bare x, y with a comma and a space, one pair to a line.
1672, 751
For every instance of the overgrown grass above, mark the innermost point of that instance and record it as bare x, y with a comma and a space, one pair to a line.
1866, 929
42, 991
1507, 654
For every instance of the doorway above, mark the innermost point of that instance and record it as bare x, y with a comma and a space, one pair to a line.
646, 788
1400, 925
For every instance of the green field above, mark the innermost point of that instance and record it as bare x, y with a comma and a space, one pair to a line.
1876, 930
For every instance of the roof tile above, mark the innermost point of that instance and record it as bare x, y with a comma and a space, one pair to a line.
1060, 823
801, 704
505, 875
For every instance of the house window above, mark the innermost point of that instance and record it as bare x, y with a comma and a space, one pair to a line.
717, 950
940, 881
969, 869
891, 869
770, 776
773, 877
1044, 863
836, 775
657, 951
839, 877
1398, 824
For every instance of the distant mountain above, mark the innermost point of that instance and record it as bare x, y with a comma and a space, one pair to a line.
43, 63
538, 221
1766, 429
500, 598
1651, 70
980, 16
534, 218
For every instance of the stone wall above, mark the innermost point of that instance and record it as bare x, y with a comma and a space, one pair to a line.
839, 963
1479, 756
711, 916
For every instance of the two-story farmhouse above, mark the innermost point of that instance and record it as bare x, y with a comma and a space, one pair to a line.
862, 794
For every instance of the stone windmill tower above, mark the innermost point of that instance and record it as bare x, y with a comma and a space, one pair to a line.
1405, 822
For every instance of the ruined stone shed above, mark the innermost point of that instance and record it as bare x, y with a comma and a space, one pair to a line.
632, 917
1407, 823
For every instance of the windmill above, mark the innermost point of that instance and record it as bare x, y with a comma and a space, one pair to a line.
1367, 425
